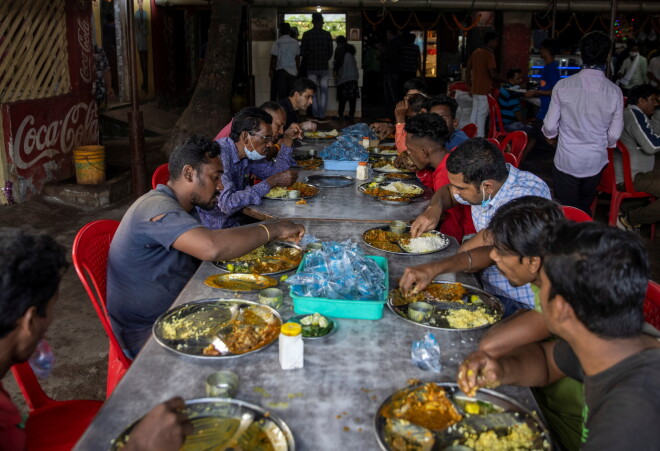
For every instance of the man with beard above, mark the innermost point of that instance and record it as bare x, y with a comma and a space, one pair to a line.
160, 241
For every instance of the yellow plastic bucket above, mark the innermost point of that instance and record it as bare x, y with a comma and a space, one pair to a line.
90, 164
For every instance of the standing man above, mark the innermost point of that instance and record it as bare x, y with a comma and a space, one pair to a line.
409, 58
633, 70
391, 71
643, 143
141, 35
317, 50
481, 76
586, 113
284, 61
654, 71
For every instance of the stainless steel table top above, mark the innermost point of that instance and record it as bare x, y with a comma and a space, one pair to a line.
330, 404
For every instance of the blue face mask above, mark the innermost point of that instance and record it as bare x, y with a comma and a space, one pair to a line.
253, 154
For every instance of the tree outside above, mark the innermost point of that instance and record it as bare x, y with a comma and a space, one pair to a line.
334, 23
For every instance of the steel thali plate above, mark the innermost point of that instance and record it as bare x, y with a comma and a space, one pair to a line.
284, 257
386, 228
329, 181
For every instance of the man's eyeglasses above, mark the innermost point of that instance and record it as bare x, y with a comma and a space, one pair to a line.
268, 139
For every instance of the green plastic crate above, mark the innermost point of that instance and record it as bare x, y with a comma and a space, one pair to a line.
343, 308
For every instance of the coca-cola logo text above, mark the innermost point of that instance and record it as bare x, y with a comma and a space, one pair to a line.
85, 43
34, 144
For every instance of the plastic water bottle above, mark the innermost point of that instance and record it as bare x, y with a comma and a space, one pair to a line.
43, 360
426, 353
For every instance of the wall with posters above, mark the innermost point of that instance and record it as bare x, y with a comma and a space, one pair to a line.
39, 134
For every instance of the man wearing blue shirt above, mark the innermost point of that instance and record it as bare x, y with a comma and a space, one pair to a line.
445, 107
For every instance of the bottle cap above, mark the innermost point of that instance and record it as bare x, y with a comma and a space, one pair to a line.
365, 137
362, 163
291, 329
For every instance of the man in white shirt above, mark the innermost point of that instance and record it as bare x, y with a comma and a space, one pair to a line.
284, 62
654, 72
586, 114
633, 70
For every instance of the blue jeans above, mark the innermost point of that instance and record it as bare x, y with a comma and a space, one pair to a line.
320, 77
511, 306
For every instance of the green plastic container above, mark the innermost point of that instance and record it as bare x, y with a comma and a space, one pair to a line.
343, 308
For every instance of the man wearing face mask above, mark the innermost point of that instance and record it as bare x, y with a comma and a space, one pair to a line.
479, 177
633, 70
243, 153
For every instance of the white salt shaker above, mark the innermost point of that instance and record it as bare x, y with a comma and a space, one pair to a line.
362, 171
291, 346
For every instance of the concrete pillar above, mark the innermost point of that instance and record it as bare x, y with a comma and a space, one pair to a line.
516, 41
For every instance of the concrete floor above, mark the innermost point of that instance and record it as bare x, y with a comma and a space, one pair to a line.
78, 340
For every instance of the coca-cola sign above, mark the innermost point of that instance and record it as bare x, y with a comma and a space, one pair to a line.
46, 130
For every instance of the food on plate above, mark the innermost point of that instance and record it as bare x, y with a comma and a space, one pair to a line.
283, 193
518, 437
310, 163
404, 189
399, 175
468, 319
427, 406
266, 260
319, 134
315, 325
428, 242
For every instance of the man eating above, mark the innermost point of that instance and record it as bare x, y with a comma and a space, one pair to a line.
160, 241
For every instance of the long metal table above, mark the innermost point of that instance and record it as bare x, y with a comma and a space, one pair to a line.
331, 403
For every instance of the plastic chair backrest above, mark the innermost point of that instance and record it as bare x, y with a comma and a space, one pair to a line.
511, 159
496, 126
652, 305
161, 176
27, 381
516, 141
90, 258
470, 130
575, 214
493, 141
627, 171
607, 182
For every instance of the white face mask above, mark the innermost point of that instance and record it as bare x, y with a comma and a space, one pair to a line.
633, 54
460, 200
253, 154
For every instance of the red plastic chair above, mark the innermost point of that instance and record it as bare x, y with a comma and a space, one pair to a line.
90, 258
52, 425
608, 185
511, 159
515, 143
495, 124
161, 176
575, 214
652, 305
470, 130
494, 141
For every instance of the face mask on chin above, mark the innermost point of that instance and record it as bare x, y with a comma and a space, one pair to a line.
460, 200
484, 201
633, 54
253, 154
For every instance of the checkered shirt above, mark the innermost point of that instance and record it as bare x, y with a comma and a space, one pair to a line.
316, 49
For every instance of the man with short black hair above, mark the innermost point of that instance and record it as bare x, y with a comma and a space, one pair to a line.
586, 114
300, 98
33, 264
316, 49
643, 143
480, 177
481, 77
284, 61
161, 240
593, 283
549, 78
243, 153
446, 107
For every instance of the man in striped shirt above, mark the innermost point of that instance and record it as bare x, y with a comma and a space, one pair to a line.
643, 142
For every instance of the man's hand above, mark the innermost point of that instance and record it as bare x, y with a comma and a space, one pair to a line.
162, 429
382, 129
416, 278
308, 126
289, 231
478, 370
283, 179
403, 161
532, 93
426, 221
294, 131
400, 111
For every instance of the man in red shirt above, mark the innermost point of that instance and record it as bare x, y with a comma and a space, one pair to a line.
32, 264
426, 134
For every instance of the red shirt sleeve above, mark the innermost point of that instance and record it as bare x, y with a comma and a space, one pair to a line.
12, 437
400, 137
224, 133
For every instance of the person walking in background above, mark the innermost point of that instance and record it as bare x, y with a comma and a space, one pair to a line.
586, 114
284, 61
391, 72
347, 83
409, 58
141, 41
481, 76
316, 50
633, 70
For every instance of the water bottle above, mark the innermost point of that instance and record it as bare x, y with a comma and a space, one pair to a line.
43, 360
426, 353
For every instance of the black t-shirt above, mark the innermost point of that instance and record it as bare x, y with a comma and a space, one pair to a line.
291, 112
622, 403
